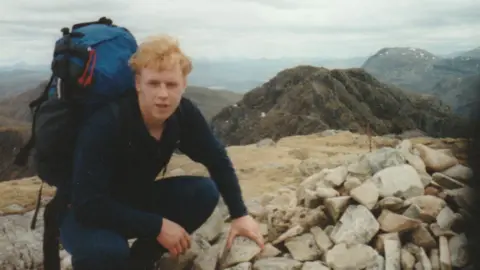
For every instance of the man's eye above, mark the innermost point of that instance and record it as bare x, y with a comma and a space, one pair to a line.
171, 85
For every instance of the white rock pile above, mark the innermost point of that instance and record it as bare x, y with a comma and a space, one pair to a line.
395, 208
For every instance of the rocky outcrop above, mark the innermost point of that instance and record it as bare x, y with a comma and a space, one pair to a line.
401, 207
307, 99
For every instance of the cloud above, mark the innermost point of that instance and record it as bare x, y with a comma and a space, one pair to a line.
251, 28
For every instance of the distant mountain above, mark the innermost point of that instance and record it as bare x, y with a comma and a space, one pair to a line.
241, 75
15, 80
475, 53
308, 99
420, 71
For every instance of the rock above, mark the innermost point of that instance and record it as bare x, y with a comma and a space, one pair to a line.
392, 254
391, 203
336, 206
392, 222
265, 143
458, 250
459, 172
414, 212
382, 237
359, 256
432, 191
446, 218
446, 182
292, 232
336, 177
241, 266
356, 226
21, 248
351, 182
208, 259
243, 250
445, 259
277, 263
384, 158
429, 206
321, 239
421, 237
316, 265
366, 194
311, 199
438, 231
399, 181
435, 161
435, 259
303, 247
407, 259
325, 193
256, 209
268, 251
463, 197
212, 228
416, 162
423, 259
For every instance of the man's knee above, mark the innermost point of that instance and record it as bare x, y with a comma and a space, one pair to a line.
209, 195
205, 200
102, 256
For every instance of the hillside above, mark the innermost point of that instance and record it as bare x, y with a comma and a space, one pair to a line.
459, 92
211, 101
420, 71
307, 99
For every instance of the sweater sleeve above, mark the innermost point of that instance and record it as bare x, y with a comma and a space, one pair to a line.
199, 143
93, 171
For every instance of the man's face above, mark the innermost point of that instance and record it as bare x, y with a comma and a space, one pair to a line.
159, 93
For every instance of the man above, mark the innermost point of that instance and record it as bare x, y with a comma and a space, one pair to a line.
114, 196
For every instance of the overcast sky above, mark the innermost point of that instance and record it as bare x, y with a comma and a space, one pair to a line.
251, 28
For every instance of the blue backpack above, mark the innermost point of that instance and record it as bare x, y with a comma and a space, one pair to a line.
89, 69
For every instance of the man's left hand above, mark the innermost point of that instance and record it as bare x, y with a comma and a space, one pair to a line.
245, 226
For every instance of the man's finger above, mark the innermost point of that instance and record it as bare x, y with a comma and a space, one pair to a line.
188, 240
257, 237
231, 237
184, 244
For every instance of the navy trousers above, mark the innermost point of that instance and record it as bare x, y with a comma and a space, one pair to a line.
186, 200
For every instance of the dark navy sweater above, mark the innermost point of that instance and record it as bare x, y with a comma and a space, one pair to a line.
116, 162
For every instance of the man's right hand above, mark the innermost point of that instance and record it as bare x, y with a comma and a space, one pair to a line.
174, 238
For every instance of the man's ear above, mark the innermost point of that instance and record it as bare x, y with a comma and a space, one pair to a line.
137, 82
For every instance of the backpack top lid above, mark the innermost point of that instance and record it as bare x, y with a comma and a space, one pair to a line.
92, 62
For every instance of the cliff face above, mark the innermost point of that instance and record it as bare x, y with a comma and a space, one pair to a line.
307, 99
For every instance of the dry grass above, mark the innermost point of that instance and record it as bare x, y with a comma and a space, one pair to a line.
260, 169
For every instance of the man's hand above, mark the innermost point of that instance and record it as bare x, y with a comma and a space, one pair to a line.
245, 226
174, 238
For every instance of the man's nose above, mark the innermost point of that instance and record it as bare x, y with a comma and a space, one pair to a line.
162, 91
